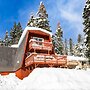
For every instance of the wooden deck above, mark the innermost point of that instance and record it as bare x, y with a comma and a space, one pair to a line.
45, 59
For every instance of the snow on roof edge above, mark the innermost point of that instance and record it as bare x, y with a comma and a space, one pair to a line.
31, 28
35, 28
14, 46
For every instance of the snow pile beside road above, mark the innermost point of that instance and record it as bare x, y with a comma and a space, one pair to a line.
9, 82
56, 79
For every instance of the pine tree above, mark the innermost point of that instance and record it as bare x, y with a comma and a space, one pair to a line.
42, 20
32, 21
57, 40
66, 47
86, 17
71, 46
6, 39
15, 33
79, 38
79, 48
19, 32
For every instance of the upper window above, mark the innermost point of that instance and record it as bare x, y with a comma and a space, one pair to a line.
38, 39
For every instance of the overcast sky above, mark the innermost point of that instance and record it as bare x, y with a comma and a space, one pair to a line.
67, 12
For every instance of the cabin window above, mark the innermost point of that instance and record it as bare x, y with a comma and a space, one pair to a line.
38, 40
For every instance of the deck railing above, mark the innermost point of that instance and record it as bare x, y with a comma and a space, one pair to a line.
40, 45
45, 59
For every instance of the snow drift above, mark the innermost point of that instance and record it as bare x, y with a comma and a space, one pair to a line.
56, 79
9, 82
48, 79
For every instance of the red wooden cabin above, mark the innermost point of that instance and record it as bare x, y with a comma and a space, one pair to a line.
36, 50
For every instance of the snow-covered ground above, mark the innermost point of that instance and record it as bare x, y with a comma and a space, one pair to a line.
49, 79
9, 82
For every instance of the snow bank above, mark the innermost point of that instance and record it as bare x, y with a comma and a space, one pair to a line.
56, 79
9, 82
48, 79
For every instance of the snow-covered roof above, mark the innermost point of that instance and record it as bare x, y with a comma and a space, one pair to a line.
31, 28
71, 58
35, 28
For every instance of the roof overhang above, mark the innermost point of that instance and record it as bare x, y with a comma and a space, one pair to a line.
38, 29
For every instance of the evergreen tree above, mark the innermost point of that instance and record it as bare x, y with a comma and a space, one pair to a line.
66, 47
15, 33
53, 40
6, 39
79, 48
57, 40
79, 38
86, 17
43, 18
32, 21
19, 32
71, 46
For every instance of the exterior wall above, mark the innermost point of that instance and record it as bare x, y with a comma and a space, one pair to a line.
11, 59
7, 57
20, 54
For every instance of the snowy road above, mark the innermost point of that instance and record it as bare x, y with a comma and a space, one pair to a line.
49, 79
